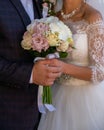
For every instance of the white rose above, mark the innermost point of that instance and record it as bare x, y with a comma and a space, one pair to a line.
65, 32
62, 29
54, 28
51, 19
31, 26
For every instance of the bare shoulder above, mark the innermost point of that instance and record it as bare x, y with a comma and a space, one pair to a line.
92, 15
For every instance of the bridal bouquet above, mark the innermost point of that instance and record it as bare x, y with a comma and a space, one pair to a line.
47, 36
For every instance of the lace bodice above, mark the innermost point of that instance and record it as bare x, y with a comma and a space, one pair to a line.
90, 51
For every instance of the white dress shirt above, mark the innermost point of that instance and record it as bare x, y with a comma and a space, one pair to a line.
28, 6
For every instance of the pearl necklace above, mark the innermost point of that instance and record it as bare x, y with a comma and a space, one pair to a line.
67, 16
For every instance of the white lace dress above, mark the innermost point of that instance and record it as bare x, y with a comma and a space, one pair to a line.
80, 104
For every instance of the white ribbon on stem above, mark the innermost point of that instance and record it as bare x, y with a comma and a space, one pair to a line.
43, 107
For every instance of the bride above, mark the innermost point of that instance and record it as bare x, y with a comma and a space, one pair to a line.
78, 94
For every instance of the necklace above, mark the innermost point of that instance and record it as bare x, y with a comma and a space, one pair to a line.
69, 15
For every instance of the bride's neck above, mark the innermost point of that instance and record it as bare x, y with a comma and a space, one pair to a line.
72, 11
68, 8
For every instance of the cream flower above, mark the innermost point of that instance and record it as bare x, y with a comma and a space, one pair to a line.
53, 39
27, 40
63, 46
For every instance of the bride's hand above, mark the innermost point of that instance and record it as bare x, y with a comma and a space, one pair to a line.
60, 64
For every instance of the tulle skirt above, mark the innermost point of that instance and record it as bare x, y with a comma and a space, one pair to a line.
79, 106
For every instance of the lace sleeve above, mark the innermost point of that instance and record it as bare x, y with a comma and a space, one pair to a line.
96, 50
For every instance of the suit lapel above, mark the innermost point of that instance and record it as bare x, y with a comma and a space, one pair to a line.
21, 11
37, 8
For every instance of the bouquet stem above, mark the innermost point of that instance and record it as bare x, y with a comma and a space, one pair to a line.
47, 95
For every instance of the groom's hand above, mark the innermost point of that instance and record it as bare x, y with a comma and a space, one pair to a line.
46, 71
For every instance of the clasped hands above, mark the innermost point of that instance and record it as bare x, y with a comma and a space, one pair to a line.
46, 71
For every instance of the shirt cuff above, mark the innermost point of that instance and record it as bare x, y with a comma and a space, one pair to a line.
31, 78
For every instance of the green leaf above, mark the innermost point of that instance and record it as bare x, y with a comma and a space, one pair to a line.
63, 54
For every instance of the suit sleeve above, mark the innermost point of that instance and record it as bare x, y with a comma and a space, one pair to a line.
15, 74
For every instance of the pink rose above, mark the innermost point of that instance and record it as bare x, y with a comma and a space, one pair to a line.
39, 42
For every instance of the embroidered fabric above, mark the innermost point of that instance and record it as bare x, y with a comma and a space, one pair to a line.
76, 99
95, 59
96, 50
73, 98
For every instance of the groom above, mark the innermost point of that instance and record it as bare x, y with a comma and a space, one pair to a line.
19, 77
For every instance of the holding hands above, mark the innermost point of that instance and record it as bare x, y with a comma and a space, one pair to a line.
46, 71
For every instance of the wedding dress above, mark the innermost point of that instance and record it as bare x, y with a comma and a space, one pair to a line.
80, 104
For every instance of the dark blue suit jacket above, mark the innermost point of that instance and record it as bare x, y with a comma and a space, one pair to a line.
18, 98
